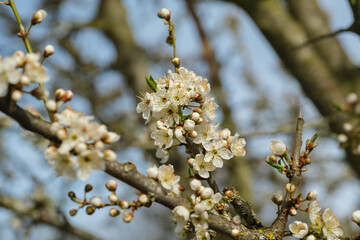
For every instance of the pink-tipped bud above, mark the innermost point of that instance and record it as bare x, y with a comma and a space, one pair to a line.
59, 94
128, 217
113, 212
193, 134
164, 13
38, 17
111, 185
48, 51
293, 212
68, 95
229, 194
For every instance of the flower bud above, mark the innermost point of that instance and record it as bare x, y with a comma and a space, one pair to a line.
38, 93
355, 217
99, 145
200, 120
124, 204
191, 161
176, 62
38, 17
193, 134
189, 125
225, 133
96, 201
25, 80
236, 219
293, 211
290, 188
111, 185
311, 237
73, 212
348, 127
113, 198
111, 138
199, 208
80, 147
143, 199
179, 134
110, 155
351, 98
68, 95
16, 95
195, 116
164, 13
59, 94
127, 217
229, 194
195, 183
199, 190
207, 193
113, 212
61, 134
72, 195
51, 106
312, 195
152, 172
277, 198
342, 138
277, 148
235, 233
90, 210
48, 51
88, 188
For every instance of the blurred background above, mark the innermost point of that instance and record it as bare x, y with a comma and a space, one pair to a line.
261, 76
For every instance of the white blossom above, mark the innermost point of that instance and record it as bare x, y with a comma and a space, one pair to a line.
277, 147
331, 229
216, 151
201, 167
167, 178
298, 229
163, 137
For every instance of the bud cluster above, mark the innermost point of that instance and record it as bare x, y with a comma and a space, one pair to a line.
20, 70
81, 149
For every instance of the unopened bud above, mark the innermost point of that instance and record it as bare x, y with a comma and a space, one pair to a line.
152, 172
113, 212
25, 80
38, 17
38, 93
342, 138
48, 51
199, 190
193, 134
68, 95
200, 208
90, 210
189, 125
111, 185
71, 195
127, 217
229, 194
16, 95
164, 13
195, 183
348, 127
207, 193
195, 116
96, 201
200, 120
59, 94
235, 233
355, 217
113, 198
290, 188
124, 204
88, 188
99, 145
293, 212
110, 155
351, 98
80, 147
73, 212
51, 106
143, 199
312, 195
307, 161
236, 219
311, 237
191, 162
176, 62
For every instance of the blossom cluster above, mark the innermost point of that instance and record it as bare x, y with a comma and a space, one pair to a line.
166, 177
81, 149
325, 223
203, 201
20, 70
185, 111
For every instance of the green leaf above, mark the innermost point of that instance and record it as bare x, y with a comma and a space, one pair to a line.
151, 82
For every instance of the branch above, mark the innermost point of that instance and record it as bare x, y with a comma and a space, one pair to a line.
42, 216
